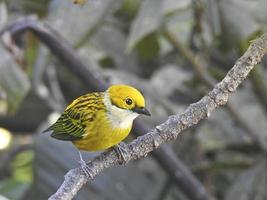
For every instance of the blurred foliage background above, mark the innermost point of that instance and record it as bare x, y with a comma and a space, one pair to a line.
173, 51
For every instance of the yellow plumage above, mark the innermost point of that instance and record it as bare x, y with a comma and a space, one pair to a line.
79, 1
100, 120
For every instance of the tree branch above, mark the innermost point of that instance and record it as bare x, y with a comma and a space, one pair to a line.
165, 156
209, 81
169, 130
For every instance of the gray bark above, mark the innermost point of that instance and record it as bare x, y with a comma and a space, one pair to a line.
169, 130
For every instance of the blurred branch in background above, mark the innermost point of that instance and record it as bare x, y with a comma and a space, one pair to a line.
170, 129
165, 156
52, 94
202, 72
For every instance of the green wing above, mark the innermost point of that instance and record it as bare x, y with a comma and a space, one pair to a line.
68, 127
72, 123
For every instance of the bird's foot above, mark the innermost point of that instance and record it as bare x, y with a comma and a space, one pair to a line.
121, 150
86, 169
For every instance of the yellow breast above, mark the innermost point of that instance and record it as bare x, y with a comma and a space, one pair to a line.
109, 128
101, 135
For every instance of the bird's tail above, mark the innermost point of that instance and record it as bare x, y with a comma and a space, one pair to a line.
47, 130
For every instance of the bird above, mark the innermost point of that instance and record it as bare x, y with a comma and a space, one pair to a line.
100, 120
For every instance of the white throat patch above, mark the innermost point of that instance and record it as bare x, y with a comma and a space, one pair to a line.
119, 118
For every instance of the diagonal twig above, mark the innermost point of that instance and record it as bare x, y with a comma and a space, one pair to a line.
165, 156
209, 81
169, 130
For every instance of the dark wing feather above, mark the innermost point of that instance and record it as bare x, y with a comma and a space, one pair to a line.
64, 136
67, 128
72, 123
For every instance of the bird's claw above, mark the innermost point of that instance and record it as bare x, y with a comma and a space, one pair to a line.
121, 152
86, 169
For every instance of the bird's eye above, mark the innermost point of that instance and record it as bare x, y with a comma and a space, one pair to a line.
129, 101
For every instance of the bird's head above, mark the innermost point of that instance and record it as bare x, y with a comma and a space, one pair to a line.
127, 98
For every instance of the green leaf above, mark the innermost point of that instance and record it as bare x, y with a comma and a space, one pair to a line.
13, 189
148, 21
149, 47
128, 10
22, 165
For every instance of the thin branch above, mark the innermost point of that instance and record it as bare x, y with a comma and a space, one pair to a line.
60, 47
52, 95
169, 130
222, 165
209, 81
165, 156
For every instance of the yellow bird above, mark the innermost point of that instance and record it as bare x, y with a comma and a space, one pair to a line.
100, 120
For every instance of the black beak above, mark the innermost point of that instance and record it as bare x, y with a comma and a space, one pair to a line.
143, 111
